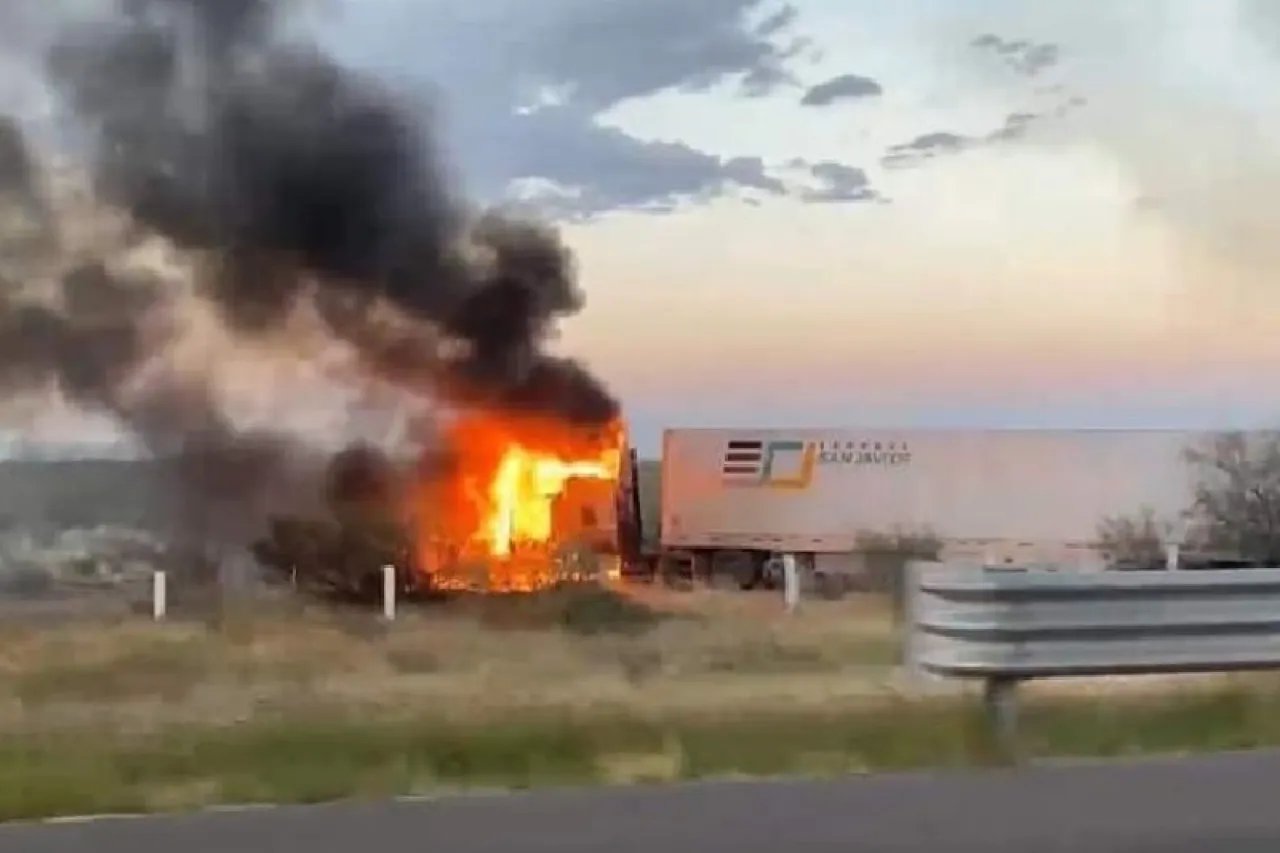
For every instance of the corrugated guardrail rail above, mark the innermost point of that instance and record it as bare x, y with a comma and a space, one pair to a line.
1006, 626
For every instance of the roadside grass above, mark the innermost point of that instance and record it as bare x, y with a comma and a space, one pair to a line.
329, 755
285, 703
646, 650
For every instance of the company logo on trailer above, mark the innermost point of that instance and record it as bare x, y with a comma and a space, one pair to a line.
789, 464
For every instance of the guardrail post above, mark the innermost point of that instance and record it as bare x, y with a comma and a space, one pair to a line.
1000, 700
908, 620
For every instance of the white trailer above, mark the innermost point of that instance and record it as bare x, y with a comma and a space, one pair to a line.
817, 492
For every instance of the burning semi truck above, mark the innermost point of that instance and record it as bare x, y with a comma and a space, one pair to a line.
519, 494
500, 503
525, 500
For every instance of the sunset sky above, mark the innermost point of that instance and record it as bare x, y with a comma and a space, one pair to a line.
1068, 215
855, 212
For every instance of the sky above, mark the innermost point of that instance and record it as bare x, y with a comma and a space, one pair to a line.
924, 213
848, 212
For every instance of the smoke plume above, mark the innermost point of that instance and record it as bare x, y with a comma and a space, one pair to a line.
307, 208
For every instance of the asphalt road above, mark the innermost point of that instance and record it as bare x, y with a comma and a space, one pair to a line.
1224, 804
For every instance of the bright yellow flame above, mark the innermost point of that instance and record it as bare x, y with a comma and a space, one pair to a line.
493, 521
523, 489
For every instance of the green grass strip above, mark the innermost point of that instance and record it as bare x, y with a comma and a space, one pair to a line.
322, 758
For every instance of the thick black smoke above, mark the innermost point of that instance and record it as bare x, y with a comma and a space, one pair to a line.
92, 332
291, 179
294, 172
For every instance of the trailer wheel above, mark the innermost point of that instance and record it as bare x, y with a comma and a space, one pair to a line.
702, 565
771, 574
753, 577
830, 587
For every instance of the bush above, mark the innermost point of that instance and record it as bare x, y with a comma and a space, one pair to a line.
592, 609
339, 558
885, 557
579, 608
1133, 540
25, 581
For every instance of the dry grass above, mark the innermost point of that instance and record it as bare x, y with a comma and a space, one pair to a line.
285, 705
718, 651
710, 653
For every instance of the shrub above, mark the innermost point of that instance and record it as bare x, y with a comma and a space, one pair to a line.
579, 608
340, 558
885, 557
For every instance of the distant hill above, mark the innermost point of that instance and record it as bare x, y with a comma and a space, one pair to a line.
54, 494
86, 493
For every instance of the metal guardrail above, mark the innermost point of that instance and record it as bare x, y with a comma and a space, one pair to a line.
1005, 626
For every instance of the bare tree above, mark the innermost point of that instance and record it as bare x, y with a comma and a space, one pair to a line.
885, 556
1237, 495
1133, 540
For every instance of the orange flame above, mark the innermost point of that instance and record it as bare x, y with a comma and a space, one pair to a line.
501, 502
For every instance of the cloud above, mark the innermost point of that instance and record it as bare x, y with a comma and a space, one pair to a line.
1026, 58
840, 88
926, 145
637, 175
828, 182
1016, 128
523, 86
1023, 56
609, 51
840, 183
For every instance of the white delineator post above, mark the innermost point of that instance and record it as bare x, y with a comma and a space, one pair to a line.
790, 582
159, 595
389, 593
1175, 533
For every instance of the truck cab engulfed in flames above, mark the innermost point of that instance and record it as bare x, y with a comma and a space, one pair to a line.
525, 503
